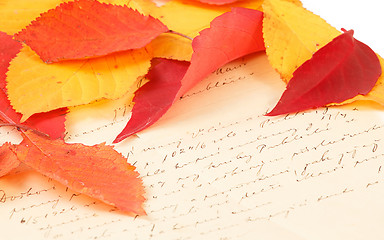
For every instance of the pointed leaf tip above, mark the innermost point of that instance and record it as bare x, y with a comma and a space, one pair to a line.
339, 71
154, 98
235, 33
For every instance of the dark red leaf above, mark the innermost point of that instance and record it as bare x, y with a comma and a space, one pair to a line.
51, 123
340, 70
155, 97
231, 35
88, 28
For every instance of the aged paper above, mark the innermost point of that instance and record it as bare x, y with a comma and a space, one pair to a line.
215, 168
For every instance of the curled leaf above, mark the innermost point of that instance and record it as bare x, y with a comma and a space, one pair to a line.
339, 71
231, 35
154, 98
98, 171
88, 28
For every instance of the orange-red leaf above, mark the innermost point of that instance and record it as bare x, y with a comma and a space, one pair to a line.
218, 2
8, 159
98, 171
155, 97
51, 123
340, 70
231, 35
88, 28
8, 50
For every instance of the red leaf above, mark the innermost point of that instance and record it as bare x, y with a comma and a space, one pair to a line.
155, 97
51, 123
98, 171
340, 70
218, 2
231, 35
8, 159
88, 28
9, 48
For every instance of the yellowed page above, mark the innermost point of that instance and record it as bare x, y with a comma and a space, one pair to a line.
215, 168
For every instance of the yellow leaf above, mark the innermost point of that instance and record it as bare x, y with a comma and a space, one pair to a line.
34, 86
292, 34
377, 92
190, 17
172, 46
17, 14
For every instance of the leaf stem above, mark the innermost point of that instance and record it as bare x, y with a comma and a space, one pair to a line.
20, 126
180, 34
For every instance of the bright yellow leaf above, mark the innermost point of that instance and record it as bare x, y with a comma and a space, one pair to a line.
172, 46
17, 14
292, 34
34, 86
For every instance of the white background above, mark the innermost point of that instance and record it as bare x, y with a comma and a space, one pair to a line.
365, 17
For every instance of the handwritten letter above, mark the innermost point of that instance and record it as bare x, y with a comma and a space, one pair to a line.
215, 168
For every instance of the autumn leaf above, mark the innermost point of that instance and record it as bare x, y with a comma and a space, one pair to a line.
339, 71
218, 2
155, 97
16, 15
98, 171
231, 35
8, 159
171, 46
189, 17
51, 123
35, 87
8, 50
88, 28
292, 35
377, 92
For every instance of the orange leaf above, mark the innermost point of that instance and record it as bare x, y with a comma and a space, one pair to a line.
87, 28
8, 159
98, 171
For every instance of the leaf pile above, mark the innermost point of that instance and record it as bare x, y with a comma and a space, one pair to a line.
59, 55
